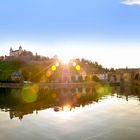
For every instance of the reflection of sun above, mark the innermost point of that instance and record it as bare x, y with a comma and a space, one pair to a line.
65, 112
66, 108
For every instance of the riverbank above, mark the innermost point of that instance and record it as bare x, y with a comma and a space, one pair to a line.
11, 85
49, 85
57, 84
136, 82
66, 85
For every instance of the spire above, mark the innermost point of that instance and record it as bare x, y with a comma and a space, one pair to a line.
20, 48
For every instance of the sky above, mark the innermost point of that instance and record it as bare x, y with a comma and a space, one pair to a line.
106, 31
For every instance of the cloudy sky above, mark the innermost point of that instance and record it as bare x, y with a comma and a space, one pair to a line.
131, 2
107, 31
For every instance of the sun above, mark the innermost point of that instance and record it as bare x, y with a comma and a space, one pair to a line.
65, 59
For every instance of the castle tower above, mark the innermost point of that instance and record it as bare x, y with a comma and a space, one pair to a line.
20, 50
11, 50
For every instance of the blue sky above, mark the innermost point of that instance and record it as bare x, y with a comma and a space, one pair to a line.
50, 26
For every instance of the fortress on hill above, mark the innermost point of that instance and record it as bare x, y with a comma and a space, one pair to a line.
16, 52
25, 56
20, 54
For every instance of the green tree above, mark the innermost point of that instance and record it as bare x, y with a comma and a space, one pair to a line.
73, 79
87, 78
80, 78
95, 78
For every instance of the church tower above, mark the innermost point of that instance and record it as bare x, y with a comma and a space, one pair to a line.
20, 50
11, 51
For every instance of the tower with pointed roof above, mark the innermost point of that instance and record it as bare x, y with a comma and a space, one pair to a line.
16, 52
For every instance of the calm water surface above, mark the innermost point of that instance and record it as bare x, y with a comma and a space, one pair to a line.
99, 113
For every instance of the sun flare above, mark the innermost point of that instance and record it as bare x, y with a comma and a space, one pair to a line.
65, 112
66, 108
65, 59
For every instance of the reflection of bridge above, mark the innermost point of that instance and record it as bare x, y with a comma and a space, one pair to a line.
126, 92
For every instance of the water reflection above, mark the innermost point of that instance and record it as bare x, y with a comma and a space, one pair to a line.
126, 92
20, 102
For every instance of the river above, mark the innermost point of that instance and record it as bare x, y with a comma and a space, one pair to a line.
87, 113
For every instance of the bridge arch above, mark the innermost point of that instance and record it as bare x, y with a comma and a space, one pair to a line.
137, 76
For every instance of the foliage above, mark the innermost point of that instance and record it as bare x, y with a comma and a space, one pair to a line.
87, 78
33, 72
36, 72
80, 78
73, 79
95, 78
7, 68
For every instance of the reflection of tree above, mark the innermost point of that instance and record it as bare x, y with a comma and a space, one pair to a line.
12, 101
52, 98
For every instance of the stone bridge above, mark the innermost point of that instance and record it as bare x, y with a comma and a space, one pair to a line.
136, 78
131, 76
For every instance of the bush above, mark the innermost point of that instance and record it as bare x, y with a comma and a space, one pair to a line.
87, 78
73, 79
80, 78
95, 78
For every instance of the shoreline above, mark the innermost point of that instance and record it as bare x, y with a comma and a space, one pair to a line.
59, 84
50, 84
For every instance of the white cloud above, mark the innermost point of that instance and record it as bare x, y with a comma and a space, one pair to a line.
131, 2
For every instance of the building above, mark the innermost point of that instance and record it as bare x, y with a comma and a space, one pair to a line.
20, 54
16, 52
16, 76
114, 78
